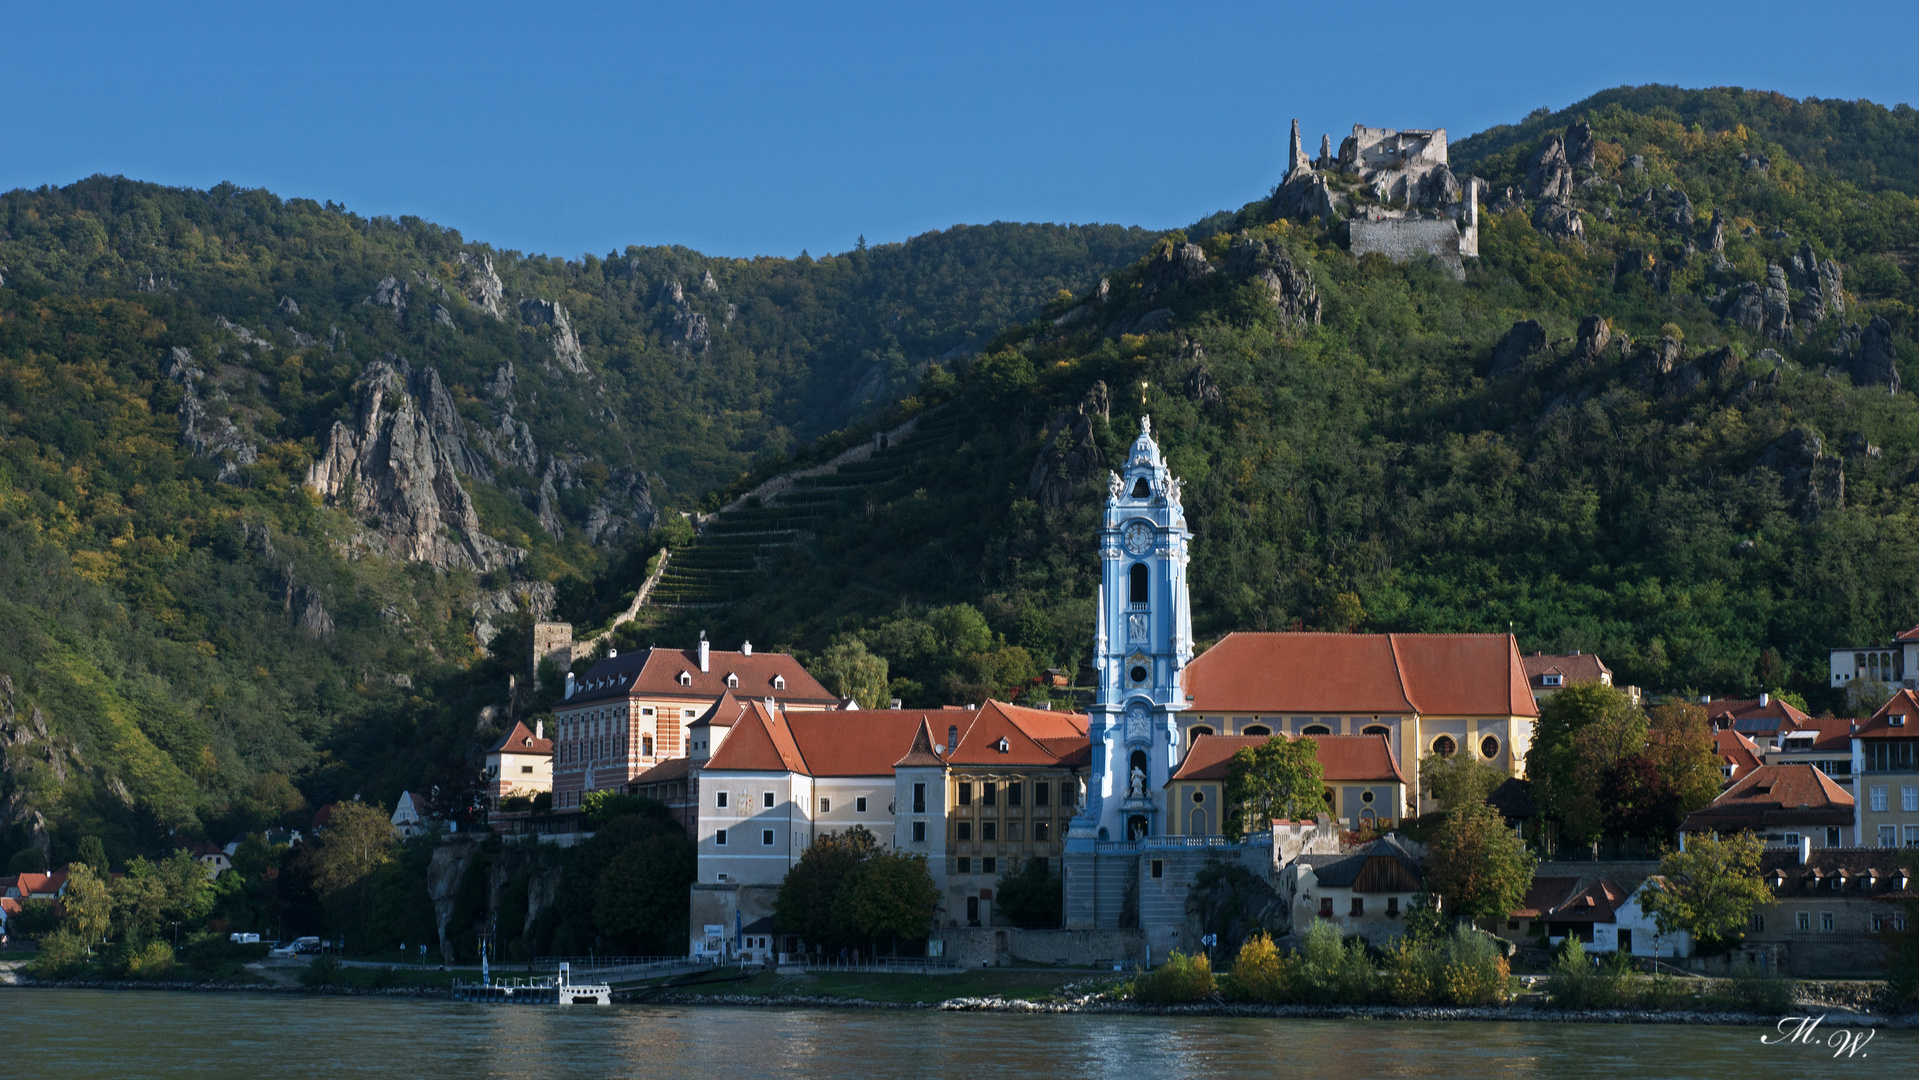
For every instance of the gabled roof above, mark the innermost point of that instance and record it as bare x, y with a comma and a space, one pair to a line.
1752, 716
1907, 635
1775, 796
1864, 873
656, 673
873, 742
760, 742
670, 769
1342, 758
1575, 668
920, 755
1543, 895
1432, 674
1019, 730
520, 740
1736, 750
725, 711
1342, 871
1904, 704
1597, 902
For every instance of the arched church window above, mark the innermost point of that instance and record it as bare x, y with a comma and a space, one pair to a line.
1257, 729
1316, 729
1141, 489
1137, 586
1377, 729
1193, 733
1444, 746
1138, 760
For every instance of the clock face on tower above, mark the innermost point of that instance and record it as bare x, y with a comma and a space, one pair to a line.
1139, 537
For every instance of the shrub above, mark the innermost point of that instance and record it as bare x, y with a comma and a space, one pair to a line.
1408, 976
1259, 973
154, 960
1756, 989
324, 971
1181, 978
62, 953
1332, 970
1577, 983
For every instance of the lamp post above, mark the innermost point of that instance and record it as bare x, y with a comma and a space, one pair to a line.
176, 935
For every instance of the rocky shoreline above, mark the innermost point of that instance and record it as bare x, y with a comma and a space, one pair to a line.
19, 982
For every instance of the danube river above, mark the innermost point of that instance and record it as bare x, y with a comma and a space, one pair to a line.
160, 1034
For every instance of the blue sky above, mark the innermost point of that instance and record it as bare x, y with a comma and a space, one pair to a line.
758, 128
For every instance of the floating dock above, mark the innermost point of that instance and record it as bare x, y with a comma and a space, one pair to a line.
558, 990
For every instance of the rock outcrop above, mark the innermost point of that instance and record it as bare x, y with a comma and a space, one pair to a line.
625, 506
1582, 148
1810, 480
1594, 335
1559, 219
287, 306
1524, 346
479, 284
207, 427
391, 294
1174, 265
1549, 175
1071, 458
565, 343
495, 610
397, 474
1290, 287
1874, 364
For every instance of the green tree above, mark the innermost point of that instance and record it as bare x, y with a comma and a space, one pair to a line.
1709, 890
891, 897
358, 840
1458, 780
94, 854
1280, 778
810, 898
852, 672
641, 903
1479, 868
87, 906
1031, 899
153, 894
1681, 745
1583, 731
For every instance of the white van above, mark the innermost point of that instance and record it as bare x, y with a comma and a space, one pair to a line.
244, 939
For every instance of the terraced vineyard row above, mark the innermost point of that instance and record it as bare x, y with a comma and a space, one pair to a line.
724, 562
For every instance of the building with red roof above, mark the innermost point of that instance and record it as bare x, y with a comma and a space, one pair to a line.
1549, 674
1891, 665
1781, 804
1738, 755
1426, 693
1886, 767
519, 763
1364, 784
628, 713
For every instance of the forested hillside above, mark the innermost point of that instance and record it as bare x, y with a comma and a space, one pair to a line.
274, 477
1692, 461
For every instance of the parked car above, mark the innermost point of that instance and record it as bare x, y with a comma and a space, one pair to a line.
244, 939
296, 947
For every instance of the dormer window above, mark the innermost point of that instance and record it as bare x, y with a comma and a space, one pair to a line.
1896, 720
779, 682
686, 678
1552, 680
732, 680
1002, 745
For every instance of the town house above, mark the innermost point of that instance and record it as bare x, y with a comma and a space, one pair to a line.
1885, 763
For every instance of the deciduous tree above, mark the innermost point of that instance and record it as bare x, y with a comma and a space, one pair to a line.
1280, 778
1478, 867
1709, 890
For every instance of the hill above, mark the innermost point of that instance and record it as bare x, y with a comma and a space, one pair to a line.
277, 482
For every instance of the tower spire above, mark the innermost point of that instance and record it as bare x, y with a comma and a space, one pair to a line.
1296, 162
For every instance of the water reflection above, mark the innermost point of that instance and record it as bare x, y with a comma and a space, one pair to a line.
165, 1035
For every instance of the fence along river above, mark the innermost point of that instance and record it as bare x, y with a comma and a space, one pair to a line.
160, 1034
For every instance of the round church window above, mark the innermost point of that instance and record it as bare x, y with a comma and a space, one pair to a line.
1444, 746
1138, 674
1489, 747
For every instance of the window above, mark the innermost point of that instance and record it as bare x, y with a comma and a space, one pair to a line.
1359, 905
1551, 680
989, 865
732, 680
1199, 796
965, 792
1257, 729
1392, 911
719, 800
965, 864
766, 799
1014, 792
1366, 796
1042, 793
1444, 746
1912, 836
859, 805
1042, 832
646, 712
686, 678
1193, 733
1068, 793
1888, 836
1877, 797
646, 745
779, 682
1825, 922
1878, 922
919, 832
989, 793
719, 838
1325, 907
1140, 490
1803, 920
1757, 924
826, 806
1489, 747
1137, 584
963, 831
1316, 729
1832, 836
526, 769
919, 797
1376, 729
1159, 868
1792, 839
1909, 798
989, 830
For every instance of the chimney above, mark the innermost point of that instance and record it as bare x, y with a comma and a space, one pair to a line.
611, 653
1705, 699
1805, 849
1765, 700
746, 648
569, 685
704, 649
896, 703
539, 729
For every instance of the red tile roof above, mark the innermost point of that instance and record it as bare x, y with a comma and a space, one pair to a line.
1775, 796
1342, 758
1595, 903
1545, 894
1830, 734
920, 755
520, 740
1907, 635
670, 769
656, 673
1736, 750
1577, 668
1904, 704
871, 742
1431, 674
1733, 710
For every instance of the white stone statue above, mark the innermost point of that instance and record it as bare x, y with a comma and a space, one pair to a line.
1138, 787
1114, 484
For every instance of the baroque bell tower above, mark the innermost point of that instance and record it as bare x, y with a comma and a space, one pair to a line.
1142, 642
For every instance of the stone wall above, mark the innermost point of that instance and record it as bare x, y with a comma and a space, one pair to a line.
972, 947
552, 641
718, 905
1405, 239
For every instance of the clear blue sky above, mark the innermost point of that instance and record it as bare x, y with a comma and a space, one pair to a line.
759, 128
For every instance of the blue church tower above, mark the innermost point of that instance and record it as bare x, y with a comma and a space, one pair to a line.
1142, 642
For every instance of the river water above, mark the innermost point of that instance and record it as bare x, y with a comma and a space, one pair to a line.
83, 1033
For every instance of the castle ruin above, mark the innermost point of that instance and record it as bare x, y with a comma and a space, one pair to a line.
1393, 188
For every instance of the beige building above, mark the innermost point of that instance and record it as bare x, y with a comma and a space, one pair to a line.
521, 763
1364, 784
1426, 693
1885, 765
